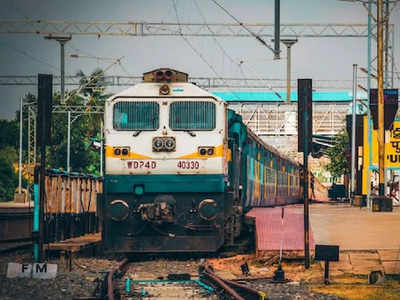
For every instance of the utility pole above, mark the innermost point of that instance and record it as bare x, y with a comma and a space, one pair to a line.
353, 133
369, 127
288, 43
101, 148
20, 146
381, 116
69, 143
62, 40
277, 29
386, 20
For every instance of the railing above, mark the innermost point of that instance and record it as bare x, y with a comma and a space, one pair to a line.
70, 205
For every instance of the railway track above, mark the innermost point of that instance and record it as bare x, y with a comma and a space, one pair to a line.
227, 289
178, 286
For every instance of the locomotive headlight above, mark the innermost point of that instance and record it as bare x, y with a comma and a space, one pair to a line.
159, 75
117, 151
206, 151
168, 75
170, 144
208, 209
119, 210
158, 144
125, 151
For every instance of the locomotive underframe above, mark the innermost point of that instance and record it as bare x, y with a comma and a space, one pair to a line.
187, 232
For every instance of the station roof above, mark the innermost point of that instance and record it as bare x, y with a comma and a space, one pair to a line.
242, 96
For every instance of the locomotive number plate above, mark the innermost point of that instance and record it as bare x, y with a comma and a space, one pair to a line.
188, 164
142, 164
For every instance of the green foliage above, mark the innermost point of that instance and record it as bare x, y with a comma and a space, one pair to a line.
337, 154
10, 154
83, 127
8, 180
9, 135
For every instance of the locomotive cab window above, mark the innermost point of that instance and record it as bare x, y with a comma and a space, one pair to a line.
192, 115
136, 115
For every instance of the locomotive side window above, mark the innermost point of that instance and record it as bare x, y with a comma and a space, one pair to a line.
136, 115
192, 115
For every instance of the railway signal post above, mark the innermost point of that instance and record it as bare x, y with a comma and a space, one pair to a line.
45, 94
304, 106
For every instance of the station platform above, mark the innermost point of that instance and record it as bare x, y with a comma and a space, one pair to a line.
270, 230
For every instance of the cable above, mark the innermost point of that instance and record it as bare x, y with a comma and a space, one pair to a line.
219, 44
214, 38
202, 57
257, 37
123, 69
194, 49
92, 78
72, 46
38, 60
228, 56
190, 44
15, 9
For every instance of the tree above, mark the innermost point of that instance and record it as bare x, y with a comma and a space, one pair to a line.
9, 135
337, 154
8, 180
83, 127
93, 93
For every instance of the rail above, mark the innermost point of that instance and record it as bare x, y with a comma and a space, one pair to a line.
230, 288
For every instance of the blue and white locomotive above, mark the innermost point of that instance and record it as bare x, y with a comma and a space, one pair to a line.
181, 169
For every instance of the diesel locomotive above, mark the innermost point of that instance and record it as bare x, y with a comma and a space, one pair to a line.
182, 169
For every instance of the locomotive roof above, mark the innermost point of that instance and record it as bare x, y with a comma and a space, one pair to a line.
177, 89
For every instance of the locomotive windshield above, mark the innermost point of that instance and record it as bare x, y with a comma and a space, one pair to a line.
136, 115
192, 115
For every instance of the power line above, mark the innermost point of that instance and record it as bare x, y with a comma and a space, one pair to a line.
26, 54
257, 37
238, 65
195, 50
190, 44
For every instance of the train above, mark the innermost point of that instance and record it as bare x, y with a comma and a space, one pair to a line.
182, 169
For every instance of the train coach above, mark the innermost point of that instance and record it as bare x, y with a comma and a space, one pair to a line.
181, 169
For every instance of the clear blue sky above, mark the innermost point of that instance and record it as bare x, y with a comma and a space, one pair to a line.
313, 58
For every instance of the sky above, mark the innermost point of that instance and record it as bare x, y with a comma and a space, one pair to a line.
316, 58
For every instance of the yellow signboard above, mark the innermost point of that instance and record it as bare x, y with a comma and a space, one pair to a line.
392, 149
392, 146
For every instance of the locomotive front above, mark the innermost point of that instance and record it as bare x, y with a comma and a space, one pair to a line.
166, 157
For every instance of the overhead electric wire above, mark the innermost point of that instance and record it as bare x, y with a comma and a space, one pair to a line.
239, 65
221, 48
189, 43
257, 37
124, 70
92, 78
26, 54
195, 50
218, 43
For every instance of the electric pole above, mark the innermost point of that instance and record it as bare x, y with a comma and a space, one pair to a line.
381, 115
288, 44
62, 40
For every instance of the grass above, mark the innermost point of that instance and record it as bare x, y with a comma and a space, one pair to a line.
353, 289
